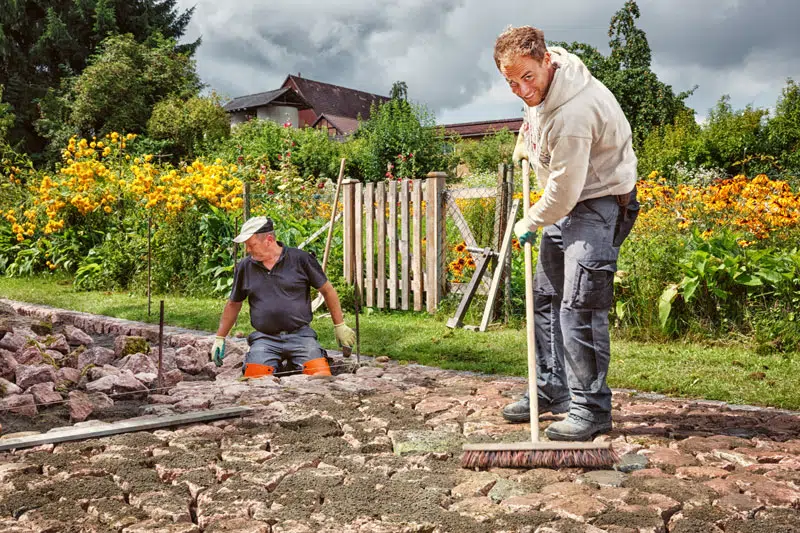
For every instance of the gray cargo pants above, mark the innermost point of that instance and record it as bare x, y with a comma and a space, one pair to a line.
573, 293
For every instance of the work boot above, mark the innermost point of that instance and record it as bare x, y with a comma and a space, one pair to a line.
520, 411
579, 429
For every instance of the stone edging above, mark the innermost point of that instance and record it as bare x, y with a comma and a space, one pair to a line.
176, 337
103, 325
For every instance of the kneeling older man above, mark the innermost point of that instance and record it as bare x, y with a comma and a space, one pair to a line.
276, 280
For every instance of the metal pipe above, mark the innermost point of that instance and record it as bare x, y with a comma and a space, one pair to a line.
160, 342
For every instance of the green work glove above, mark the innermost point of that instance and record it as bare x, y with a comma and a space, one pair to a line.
344, 335
524, 234
218, 350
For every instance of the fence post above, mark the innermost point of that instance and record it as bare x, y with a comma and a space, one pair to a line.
509, 198
416, 249
434, 234
348, 197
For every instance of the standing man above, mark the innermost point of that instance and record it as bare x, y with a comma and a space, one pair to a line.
578, 142
277, 282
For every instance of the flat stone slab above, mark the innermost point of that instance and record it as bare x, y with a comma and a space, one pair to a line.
423, 441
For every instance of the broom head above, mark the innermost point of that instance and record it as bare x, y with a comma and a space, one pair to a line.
539, 455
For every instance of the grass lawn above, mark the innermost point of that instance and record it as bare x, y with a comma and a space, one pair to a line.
731, 374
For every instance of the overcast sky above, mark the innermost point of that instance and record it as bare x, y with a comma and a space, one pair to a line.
442, 49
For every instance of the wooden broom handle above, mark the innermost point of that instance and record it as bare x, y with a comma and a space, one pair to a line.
533, 389
333, 216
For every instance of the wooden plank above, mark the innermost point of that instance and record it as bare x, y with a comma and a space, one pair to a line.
480, 269
369, 205
416, 258
498, 272
358, 231
392, 244
474, 192
122, 426
461, 222
405, 279
461, 288
499, 214
347, 260
380, 218
314, 236
434, 234
508, 193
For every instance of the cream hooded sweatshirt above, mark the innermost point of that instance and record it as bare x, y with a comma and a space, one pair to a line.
578, 142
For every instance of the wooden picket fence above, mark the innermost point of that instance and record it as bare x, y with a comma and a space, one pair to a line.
396, 260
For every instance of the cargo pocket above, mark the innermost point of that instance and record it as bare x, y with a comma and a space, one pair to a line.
594, 288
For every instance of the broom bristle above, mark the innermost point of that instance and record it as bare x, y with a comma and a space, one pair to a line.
590, 458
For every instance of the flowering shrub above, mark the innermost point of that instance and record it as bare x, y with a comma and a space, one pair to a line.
758, 207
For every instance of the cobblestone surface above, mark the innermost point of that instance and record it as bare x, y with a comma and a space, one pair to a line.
378, 450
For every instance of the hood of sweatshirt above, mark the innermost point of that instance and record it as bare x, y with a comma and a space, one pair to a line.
571, 77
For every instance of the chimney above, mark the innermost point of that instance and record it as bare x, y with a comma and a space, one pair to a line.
298, 75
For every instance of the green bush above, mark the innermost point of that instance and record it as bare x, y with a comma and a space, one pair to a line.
113, 264
401, 140
488, 153
189, 124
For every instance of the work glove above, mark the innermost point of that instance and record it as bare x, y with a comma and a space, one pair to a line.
344, 335
218, 350
520, 150
523, 232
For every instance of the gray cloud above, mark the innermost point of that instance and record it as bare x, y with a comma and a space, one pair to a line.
443, 49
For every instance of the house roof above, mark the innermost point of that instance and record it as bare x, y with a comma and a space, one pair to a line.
343, 125
334, 100
283, 96
479, 129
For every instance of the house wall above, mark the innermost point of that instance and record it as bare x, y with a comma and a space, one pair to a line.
307, 117
238, 118
279, 114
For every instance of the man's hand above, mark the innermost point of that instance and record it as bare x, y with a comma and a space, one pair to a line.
520, 153
520, 150
218, 350
344, 335
524, 234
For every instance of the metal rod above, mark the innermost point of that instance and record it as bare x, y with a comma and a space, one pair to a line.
246, 203
357, 304
149, 261
160, 341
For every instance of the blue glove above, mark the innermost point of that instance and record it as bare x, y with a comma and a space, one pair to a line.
218, 351
524, 233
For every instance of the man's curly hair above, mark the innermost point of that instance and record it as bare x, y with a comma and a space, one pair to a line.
522, 41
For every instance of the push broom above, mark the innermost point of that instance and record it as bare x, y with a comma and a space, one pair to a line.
536, 453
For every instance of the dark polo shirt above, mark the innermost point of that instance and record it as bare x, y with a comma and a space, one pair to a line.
280, 299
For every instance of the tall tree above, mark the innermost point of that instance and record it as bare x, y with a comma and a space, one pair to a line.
784, 128
646, 101
399, 91
43, 41
119, 88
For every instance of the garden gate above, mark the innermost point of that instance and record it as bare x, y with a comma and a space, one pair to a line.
401, 238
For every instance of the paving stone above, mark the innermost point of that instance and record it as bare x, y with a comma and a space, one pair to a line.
525, 503
421, 441
477, 486
665, 457
700, 472
603, 478
631, 462
504, 489
580, 507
